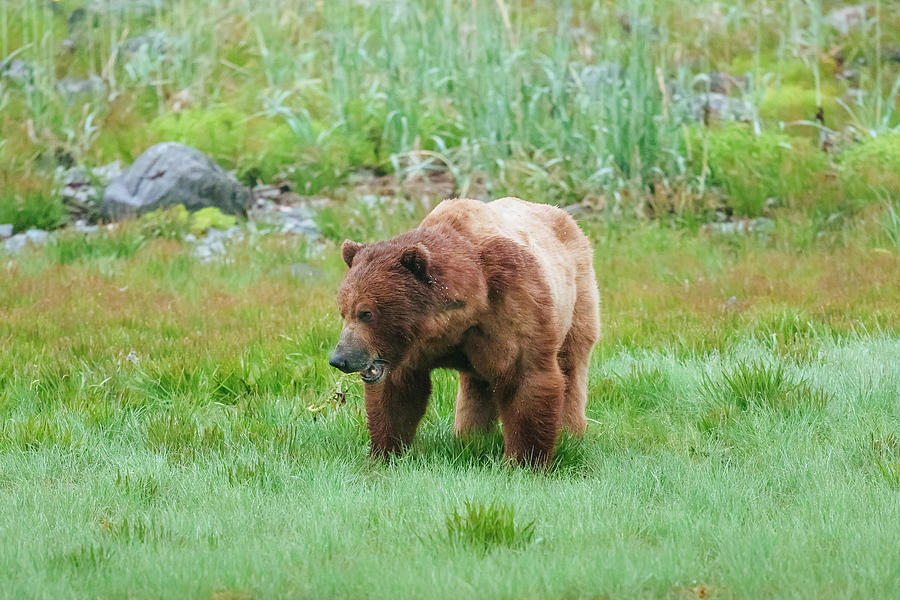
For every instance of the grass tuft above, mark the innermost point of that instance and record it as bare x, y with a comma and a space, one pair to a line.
749, 386
85, 557
886, 451
487, 526
145, 488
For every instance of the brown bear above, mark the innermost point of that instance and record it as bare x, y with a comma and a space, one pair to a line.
503, 292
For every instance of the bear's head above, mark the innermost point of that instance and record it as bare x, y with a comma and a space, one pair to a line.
386, 298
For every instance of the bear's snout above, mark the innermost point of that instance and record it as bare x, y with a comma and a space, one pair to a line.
349, 355
338, 361
348, 362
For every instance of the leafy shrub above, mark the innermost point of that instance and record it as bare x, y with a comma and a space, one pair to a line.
210, 217
32, 211
790, 102
752, 169
171, 223
237, 140
891, 225
872, 168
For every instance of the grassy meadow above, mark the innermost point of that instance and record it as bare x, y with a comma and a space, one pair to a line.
170, 428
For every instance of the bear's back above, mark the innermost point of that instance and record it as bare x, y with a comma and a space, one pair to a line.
548, 233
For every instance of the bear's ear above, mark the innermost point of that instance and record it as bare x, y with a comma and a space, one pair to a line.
349, 249
415, 258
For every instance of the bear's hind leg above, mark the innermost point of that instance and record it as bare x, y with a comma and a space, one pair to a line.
531, 417
575, 359
475, 410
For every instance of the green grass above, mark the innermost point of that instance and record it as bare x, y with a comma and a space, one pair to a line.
172, 429
798, 505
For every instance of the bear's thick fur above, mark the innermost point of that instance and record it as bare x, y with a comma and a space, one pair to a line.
504, 292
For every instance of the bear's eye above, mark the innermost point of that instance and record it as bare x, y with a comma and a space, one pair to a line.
364, 315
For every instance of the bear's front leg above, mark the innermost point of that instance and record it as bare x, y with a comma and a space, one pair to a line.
530, 414
394, 408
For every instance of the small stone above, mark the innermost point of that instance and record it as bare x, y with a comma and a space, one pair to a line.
16, 243
720, 107
267, 192
305, 227
15, 69
763, 225
6, 231
82, 226
106, 173
305, 272
577, 210
595, 77
234, 233
719, 82
203, 252
891, 53
155, 41
37, 236
74, 87
370, 200
849, 17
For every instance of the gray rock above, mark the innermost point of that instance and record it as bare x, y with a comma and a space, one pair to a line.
720, 107
75, 87
6, 231
169, 174
155, 41
850, 17
16, 70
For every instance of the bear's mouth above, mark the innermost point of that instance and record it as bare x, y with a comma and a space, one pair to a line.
373, 373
